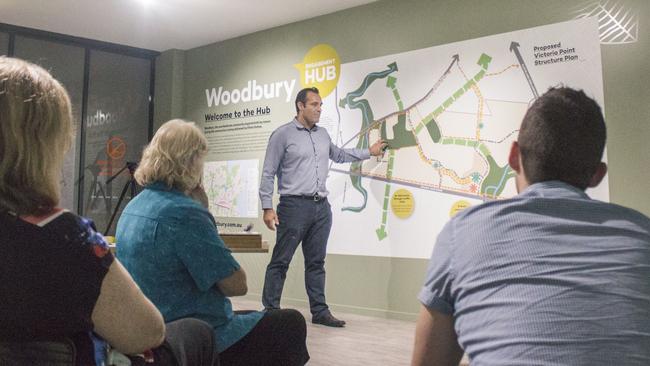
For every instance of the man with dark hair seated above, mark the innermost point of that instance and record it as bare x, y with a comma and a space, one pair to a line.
549, 277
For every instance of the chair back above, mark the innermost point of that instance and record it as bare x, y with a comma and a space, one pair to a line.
51, 353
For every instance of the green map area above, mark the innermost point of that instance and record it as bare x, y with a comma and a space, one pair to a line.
408, 126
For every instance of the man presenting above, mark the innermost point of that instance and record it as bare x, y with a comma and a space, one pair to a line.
549, 277
298, 154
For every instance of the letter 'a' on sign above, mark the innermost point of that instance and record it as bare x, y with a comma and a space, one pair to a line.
321, 67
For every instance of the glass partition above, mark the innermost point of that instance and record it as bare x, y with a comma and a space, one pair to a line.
4, 44
116, 130
110, 91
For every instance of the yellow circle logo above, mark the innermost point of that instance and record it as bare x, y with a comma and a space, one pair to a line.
321, 67
458, 207
402, 203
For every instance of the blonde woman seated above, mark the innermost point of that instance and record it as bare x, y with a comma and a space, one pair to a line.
170, 245
58, 279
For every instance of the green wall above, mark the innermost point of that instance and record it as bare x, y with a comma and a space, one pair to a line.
388, 286
169, 87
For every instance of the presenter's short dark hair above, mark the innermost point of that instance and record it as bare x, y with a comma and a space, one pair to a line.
302, 96
562, 137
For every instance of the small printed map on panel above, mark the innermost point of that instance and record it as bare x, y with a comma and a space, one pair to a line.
232, 187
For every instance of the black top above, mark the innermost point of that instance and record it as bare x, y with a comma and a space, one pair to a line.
50, 278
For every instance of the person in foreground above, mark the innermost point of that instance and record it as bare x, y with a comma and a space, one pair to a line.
549, 277
168, 241
58, 280
298, 153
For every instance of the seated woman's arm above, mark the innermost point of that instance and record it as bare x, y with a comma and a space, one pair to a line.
235, 284
124, 317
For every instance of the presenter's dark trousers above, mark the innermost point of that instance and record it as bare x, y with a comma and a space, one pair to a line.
307, 221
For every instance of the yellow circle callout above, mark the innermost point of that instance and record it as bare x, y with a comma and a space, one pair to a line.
402, 203
321, 67
457, 207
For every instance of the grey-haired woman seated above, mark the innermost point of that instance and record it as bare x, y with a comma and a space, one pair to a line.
169, 243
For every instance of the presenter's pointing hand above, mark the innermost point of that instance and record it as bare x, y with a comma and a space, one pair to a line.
271, 219
378, 148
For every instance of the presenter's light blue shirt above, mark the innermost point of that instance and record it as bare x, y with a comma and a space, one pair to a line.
300, 157
170, 246
549, 277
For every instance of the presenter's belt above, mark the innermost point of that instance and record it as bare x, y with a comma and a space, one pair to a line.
312, 197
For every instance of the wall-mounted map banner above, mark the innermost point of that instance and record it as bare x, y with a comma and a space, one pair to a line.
450, 114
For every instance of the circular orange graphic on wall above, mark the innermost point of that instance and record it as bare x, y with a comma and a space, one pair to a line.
115, 148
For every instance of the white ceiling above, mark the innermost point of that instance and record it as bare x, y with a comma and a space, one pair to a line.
163, 24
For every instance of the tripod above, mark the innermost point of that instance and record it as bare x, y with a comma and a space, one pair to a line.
131, 186
95, 188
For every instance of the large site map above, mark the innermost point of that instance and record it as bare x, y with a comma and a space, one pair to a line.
449, 114
231, 187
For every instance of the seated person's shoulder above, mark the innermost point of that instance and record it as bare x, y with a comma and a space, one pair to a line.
78, 233
630, 215
184, 207
163, 205
481, 210
184, 217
